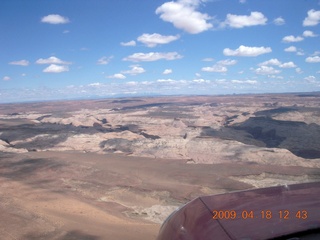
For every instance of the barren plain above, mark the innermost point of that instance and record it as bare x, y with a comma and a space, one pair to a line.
116, 168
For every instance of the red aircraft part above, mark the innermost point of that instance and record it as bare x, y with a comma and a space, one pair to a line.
282, 212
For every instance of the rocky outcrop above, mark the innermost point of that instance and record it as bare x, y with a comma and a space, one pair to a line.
201, 132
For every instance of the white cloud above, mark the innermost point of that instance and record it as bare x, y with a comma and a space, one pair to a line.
166, 80
97, 84
55, 19
200, 80
279, 21
292, 38
266, 70
152, 40
135, 69
6, 78
20, 63
51, 60
53, 68
288, 65
308, 33
244, 51
290, 49
300, 53
104, 60
227, 62
244, 81
118, 76
240, 21
251, 81
312, 19
316, 53
242, 1
272, 61
315, 59
215, 68
208, 59
310, 79
152, 56
132, 83
167, 71
299, 71
183, 15
128, 44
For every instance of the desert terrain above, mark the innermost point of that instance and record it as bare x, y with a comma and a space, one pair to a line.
116, 168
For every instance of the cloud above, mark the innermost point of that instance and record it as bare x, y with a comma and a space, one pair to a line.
308, 33
152, 56
118, 76
287, 65
290, 49
135, 69
208, 59
299, 71
276, 62
97, 84
166, 80
55, 19
244, 81
183, 15
266, 70
152, 40
53, 68
244, 51
314, 59
6, 78
104, 60
128, 44
167, 71
240, 21
311, 79
220, 66
227, 62
20, 63
51, 60
242, 1
279, 21
292, 38
272, 61
312, 19
201, 80
316, 53
215, 68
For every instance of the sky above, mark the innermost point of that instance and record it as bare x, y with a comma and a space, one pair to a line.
58, 49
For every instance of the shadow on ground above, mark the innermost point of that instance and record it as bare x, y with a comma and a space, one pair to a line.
298, 137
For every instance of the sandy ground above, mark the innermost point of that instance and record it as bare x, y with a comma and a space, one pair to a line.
54, 195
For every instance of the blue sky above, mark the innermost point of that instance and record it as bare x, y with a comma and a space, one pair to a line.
102, 48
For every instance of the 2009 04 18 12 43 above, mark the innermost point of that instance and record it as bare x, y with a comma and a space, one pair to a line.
263, 214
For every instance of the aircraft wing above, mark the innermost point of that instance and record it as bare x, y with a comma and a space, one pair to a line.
280, 212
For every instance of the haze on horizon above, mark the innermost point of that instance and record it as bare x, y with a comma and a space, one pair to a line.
82, 49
